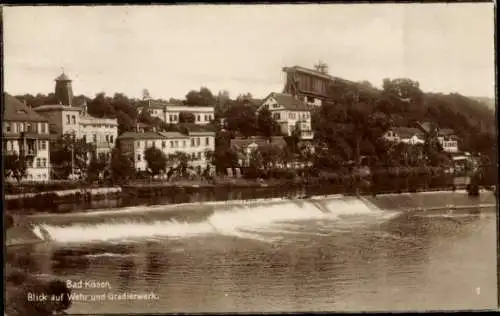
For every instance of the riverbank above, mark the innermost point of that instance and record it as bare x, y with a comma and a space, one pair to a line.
145, 192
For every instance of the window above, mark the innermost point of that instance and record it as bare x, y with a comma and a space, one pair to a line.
7, 127
192, 142
199, 155
43, 128
198, 142
68, 119
107, 138
43, 145
207, 141
183, 144
38, 163
139, 157
171, 144
176, 143
276, 116
193, 155
111, 139
95, 138
73, 119
163, 144
138, 144
44, 162
198, 118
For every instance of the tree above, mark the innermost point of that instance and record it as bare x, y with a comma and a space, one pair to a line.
156, 160
95, 167
270, 155
203, 97
101, 106
15, 166
242, 119
186, 117
180, 163
122, 166
66, 153
266, 124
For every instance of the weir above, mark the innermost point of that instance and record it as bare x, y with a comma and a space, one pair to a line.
237, 218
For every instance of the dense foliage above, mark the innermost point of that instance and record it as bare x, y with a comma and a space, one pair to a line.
348, 128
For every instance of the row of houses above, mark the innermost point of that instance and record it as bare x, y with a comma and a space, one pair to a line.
31, 131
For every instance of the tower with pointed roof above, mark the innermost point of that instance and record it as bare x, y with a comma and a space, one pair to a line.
64, 90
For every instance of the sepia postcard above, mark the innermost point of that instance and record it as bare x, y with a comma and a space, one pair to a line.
249, 158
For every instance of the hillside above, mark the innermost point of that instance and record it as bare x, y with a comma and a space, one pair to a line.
489, 102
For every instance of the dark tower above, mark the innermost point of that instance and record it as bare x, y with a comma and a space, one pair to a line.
64, 91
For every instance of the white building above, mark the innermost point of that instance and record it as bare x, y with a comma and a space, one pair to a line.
448, 140
195, 143
290, 113
101, 132
26, 133
407, 135
170, 113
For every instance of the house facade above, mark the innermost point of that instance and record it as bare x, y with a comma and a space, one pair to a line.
290, 113
448, 140
66, 118
100, 132
195, 143
170, 113
407, 135
26, 133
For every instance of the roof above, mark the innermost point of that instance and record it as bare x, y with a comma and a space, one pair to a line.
152, 104
63, 77
308, 71
260, 141
289, 102
15, 110
446, 132
172, 135
198, 129
407, 131
52, 107
145, 135
426, 126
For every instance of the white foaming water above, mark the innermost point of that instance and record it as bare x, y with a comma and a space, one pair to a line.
242, 221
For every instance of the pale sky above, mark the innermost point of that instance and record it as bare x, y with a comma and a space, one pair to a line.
170, 50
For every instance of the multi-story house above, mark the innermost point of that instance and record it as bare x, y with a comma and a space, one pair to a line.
26, 133
100, 132
194, 143
290, 113
65, 118
170, 113
448, 140
407, 135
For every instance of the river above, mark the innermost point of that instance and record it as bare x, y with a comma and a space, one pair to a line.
322, 254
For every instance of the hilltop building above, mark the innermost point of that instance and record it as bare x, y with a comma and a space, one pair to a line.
26, 133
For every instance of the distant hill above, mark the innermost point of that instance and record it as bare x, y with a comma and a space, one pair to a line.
489, 102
